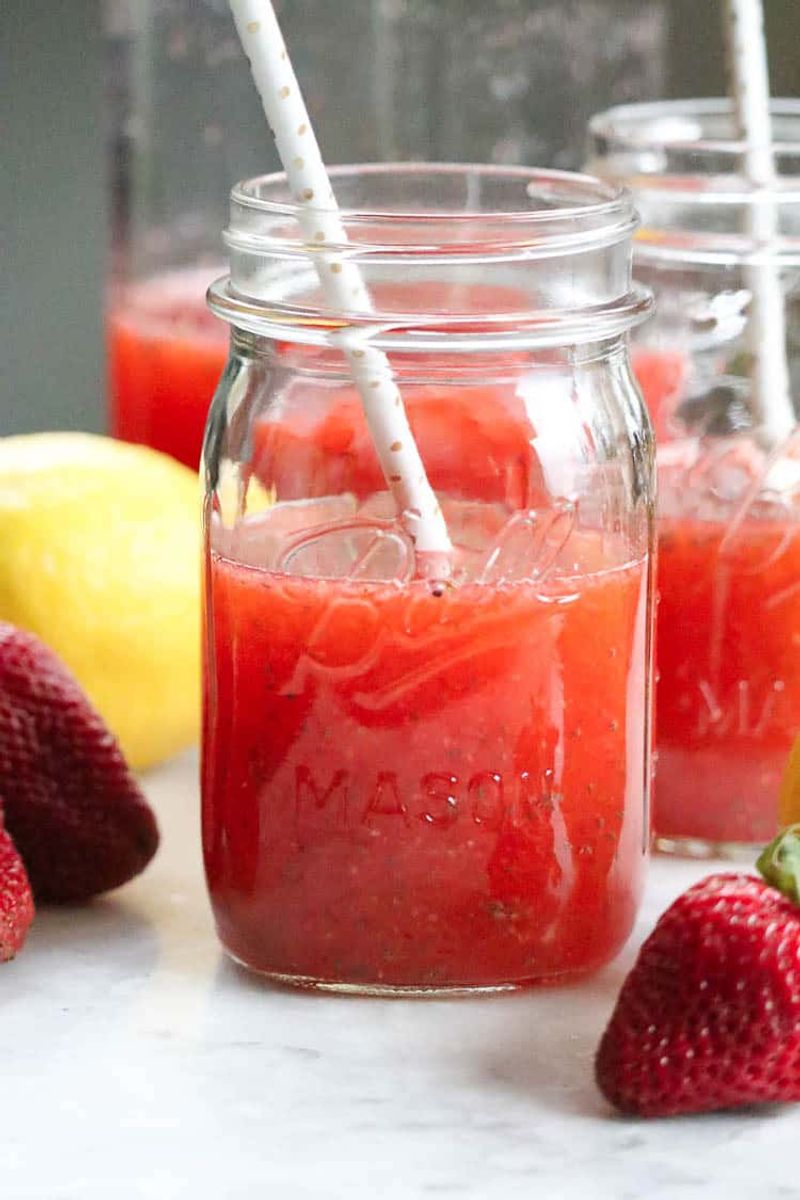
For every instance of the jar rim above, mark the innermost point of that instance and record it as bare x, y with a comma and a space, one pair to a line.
672, 150
684, 163
678, 125
591, 197
499, 334
423, 224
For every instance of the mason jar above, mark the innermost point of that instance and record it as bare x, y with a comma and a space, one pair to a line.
185, 123
720, 370
417, 782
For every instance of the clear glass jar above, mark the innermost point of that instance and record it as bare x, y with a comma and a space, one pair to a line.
414, 785
728, 697
186, 124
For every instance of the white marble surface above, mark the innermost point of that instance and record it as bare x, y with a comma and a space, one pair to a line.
137, 1064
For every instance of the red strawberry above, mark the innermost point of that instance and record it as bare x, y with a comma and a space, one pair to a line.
709, 1017
16, 901
71, 805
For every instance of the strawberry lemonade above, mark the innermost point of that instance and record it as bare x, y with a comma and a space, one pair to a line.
436, 799
728, 643
728, 696
166, 352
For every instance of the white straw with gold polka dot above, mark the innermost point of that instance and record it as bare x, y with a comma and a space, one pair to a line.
341, 281
749, 82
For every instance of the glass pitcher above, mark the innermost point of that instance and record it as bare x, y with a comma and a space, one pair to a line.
511, 82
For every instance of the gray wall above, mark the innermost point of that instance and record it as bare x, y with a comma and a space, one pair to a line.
54, 196
53, 188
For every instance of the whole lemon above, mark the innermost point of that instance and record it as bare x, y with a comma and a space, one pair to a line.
99, 557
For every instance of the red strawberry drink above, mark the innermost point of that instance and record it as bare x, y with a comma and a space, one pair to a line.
417, 781
437, 799
728, 697
166, 352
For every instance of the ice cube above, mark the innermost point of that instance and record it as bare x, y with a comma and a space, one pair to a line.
782, 478
380, 506
258, 540
708, 480
474, 525
733, 484
529, 545
361, 550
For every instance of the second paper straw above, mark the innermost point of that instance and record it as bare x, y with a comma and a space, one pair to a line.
772, 403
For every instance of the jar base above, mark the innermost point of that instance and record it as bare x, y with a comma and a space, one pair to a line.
388, 991
690, 847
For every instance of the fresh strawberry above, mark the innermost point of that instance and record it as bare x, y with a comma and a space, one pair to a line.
16, 901
75, 813
709, 1017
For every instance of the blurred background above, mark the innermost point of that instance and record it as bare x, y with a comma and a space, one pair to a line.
131, 117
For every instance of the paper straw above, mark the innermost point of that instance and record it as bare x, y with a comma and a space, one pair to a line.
341, 281
771, 395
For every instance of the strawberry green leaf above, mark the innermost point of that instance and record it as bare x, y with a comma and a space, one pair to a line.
779, 863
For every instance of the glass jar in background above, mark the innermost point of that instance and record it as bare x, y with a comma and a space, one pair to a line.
513, 82
416, 785
728, 645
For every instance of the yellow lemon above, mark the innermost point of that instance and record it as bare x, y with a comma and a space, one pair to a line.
789, 807
99, 551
